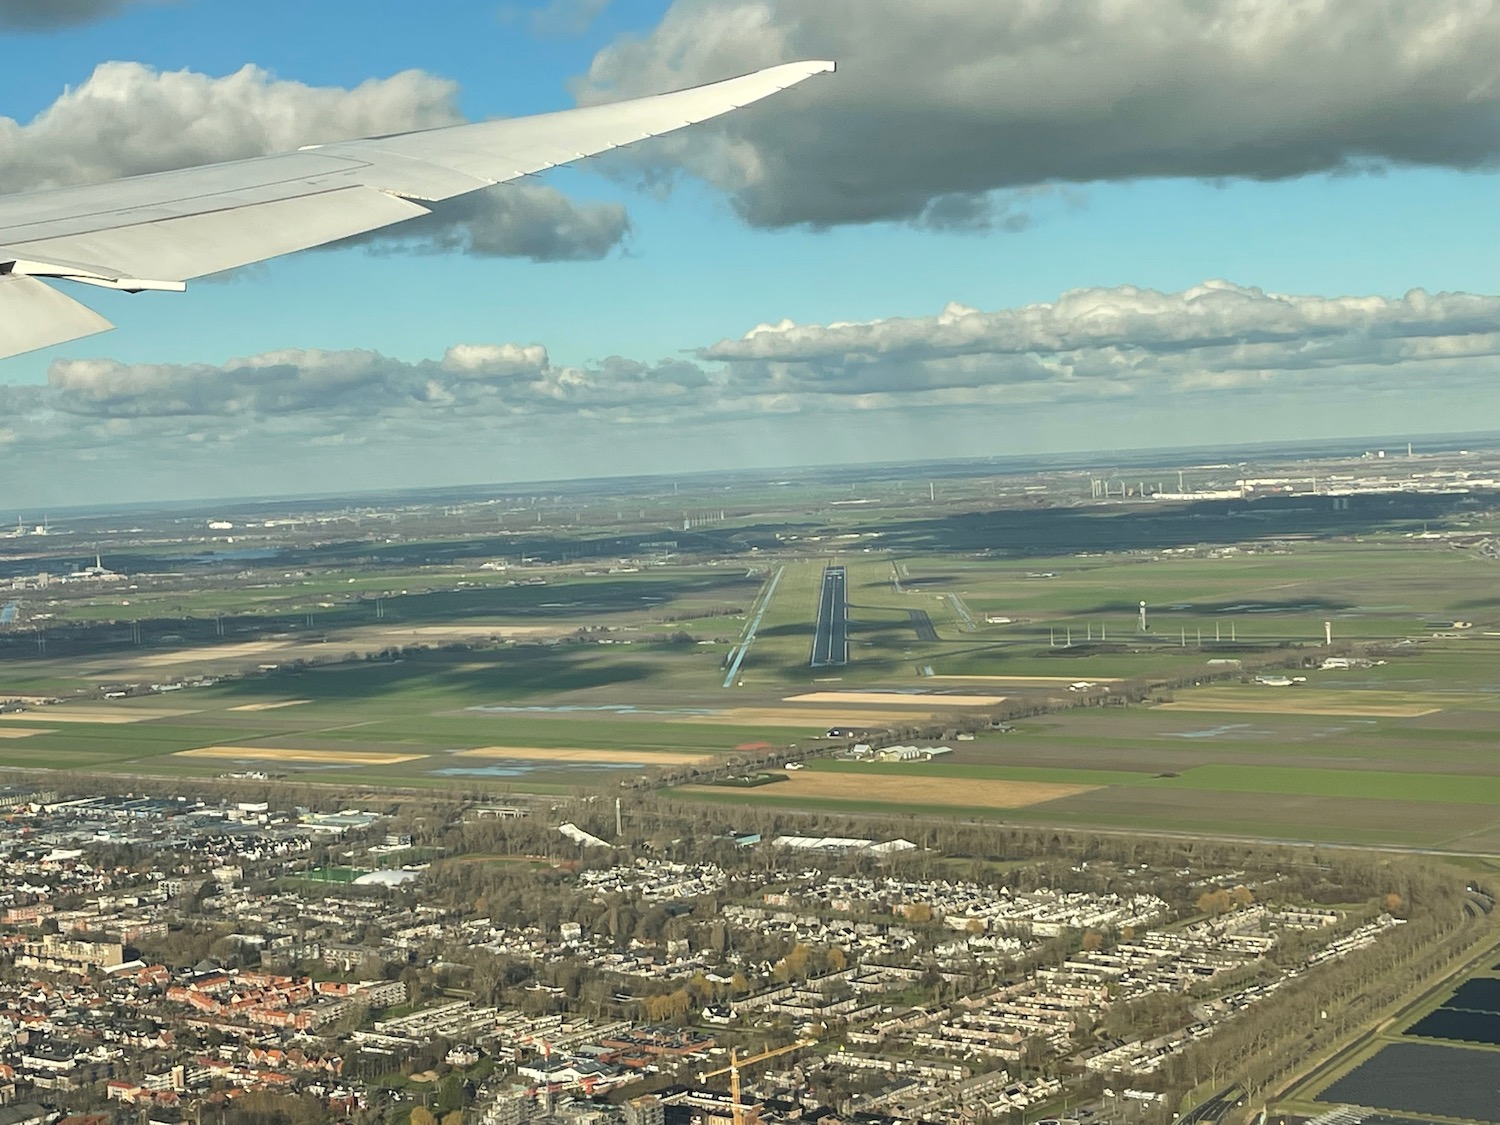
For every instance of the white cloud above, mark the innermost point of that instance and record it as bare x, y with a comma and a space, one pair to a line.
128, 119
1124, 341
492, 361
960, 381
938, 106
328, 390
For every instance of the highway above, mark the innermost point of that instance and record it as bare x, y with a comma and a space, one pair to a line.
1213, 1111
831, 638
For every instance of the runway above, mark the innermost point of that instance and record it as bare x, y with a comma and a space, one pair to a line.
738, 654
831, 638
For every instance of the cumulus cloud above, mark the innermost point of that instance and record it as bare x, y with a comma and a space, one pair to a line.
493, 361
942, 109
1124, 341
963, 381
39, 15
1120, 342
332, 389
129, 119
515, 220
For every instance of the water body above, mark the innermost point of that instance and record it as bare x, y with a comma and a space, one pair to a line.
1258, 607
521, 769
246, 554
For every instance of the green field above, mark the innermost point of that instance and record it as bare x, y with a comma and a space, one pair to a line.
608, 677
1268, 769
342, 875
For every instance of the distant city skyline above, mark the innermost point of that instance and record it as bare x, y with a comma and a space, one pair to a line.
967, 243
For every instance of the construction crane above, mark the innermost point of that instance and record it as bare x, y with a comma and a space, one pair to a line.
741, 1117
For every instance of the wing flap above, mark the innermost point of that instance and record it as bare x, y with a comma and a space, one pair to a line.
35, 315
189, 246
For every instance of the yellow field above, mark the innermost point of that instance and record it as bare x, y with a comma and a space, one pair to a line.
277, 754
570, 754
813, 718
897, 699
1264, 700
892, 789
91, 715
24, 732
270, 706
239, 651
474, 629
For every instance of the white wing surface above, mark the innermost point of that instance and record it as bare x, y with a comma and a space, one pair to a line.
162, 230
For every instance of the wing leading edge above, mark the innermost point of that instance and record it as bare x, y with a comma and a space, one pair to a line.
160, 231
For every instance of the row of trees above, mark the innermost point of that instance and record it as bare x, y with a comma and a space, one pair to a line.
1265, 1046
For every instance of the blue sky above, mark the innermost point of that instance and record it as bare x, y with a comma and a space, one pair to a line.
1116, 189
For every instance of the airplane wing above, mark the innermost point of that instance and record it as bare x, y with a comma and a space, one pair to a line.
159, 231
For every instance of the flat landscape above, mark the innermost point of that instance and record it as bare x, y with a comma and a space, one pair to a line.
1229, 714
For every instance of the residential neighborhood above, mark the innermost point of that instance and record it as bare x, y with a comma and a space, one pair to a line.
170, 957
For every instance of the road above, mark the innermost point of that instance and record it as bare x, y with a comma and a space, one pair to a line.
1212, 1111
831, 638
